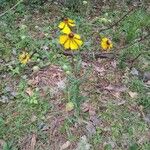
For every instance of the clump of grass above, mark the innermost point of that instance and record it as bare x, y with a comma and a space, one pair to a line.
74, 88
16, 120
139, 87
79, 6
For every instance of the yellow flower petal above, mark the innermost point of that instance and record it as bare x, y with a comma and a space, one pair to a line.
67, 44
24, 57
66, 29
24, 61
61, 25
111, 45
71, 23
77, 36
79, 42
104, 39
104, 45
63, 39
73, 45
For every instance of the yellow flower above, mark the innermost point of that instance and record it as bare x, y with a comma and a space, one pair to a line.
70, 41
24, 57
106, 44
66, 24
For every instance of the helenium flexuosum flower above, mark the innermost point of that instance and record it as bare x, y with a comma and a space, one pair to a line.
106, 44
66, 24
70, 41
24, 57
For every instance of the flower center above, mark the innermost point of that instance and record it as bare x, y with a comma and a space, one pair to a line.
66, 20
71, 35
24, 57
108, 42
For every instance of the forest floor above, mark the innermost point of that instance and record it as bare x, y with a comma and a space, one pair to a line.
111, 96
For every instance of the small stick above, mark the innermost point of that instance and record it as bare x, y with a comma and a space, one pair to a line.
11, 8
133, 60
90, 54
117, 22
104, 55
136, 41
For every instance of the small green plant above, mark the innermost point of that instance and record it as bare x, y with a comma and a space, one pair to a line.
96, 139
7, 146
79, 6
134, 147
28, 95
66, 128
74, 91
145, 101
137, 85
75, 81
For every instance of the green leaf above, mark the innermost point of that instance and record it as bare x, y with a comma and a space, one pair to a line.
134, 147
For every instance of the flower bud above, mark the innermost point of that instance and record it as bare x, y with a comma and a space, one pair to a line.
69, 106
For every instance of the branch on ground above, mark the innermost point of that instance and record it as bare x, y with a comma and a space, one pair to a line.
88, 55
96, 55
121, 19
11, 8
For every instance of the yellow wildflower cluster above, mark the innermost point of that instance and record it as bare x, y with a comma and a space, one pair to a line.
69, 39
73, 41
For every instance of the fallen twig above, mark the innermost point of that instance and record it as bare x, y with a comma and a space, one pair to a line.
89, 55
117, 22
33, 142
135, 42
11, 8
96, 55
134, 59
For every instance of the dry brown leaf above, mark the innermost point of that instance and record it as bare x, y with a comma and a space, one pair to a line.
148, 82
29, 91
84, 64
121, 103
65, 145
83, 144
116, 88
95, 120
85, 107
116, 94
99, 69
33, 141
33, 118
92, 111
2, 143
133, 94
31, 82
90, 128
114, 64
